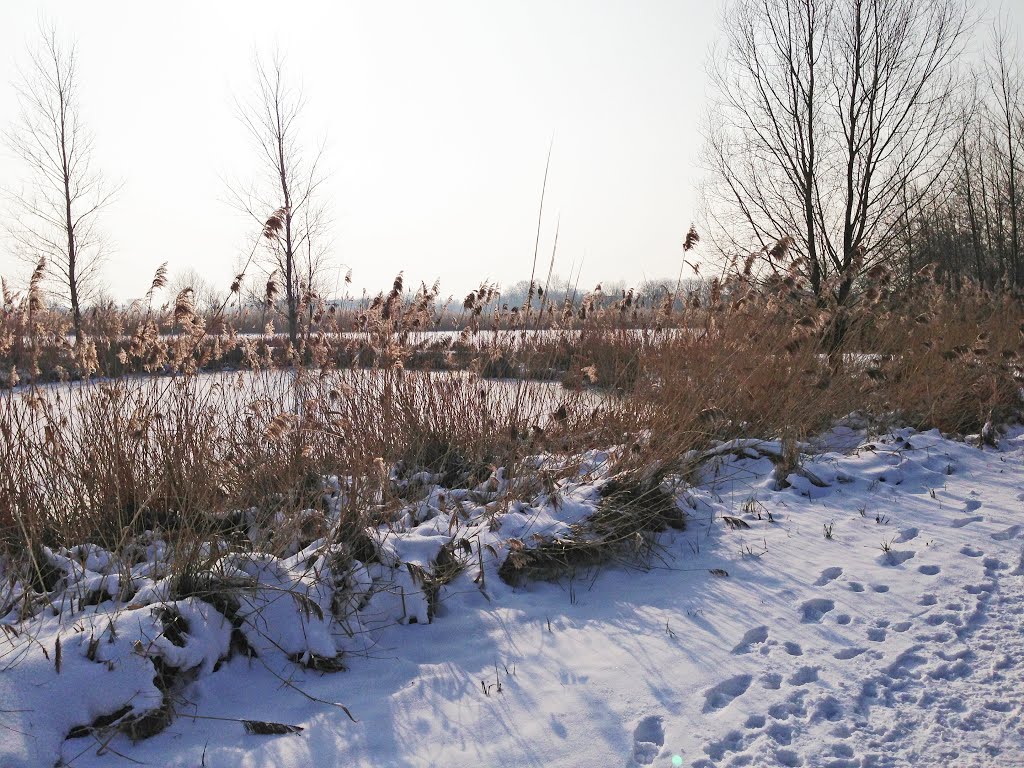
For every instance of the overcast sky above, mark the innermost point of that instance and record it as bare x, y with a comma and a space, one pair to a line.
437, 118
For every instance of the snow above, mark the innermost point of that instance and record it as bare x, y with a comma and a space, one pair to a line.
895, 641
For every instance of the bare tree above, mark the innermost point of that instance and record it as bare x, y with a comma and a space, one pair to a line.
55, 214
288, 184
973, 230
205, 297
765, 157
1006, 79
833, 119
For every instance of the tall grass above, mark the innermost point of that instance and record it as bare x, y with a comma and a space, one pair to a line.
335, 434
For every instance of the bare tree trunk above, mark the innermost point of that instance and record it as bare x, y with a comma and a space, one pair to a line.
972, 215
69, 228
1006, 84
289, 185
58, 221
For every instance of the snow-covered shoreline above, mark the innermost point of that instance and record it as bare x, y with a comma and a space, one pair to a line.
866, 611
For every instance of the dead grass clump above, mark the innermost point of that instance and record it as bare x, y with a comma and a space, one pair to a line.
630, 511
551, 560
630, 504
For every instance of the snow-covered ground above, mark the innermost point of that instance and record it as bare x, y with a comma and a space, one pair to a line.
895, 640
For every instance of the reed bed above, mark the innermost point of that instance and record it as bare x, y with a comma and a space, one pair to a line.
284, 445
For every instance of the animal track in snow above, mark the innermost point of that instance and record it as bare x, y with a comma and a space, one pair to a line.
970, 551
813, 610
793, 649
720, 696
880, 587
843, 618
754, 636
971, 504
928, 599
829, 574
929, 570
966, 521
876, 634
856, 586
648, 739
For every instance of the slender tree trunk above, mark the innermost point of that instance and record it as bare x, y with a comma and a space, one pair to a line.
972, 216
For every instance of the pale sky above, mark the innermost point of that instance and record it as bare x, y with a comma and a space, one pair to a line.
437, 118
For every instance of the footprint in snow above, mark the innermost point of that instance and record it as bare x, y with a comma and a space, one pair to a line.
928, 599
788, 758
716, 750
828, 708
842, 750
993, 564
792, 706
751, 637
793, 649
971, 504
780, 733
896, 557
803, 676
722, 695
856, 586
843, 618
966, 521
829, 574
848, 653
771, 681
906, 535
755, 721
880, 587
929, 570
971, 551
1009, 533
813, 610
648, 739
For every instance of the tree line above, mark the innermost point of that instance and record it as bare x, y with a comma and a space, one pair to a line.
862, 141
54, 216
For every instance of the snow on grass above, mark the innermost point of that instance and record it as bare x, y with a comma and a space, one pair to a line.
895, 640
